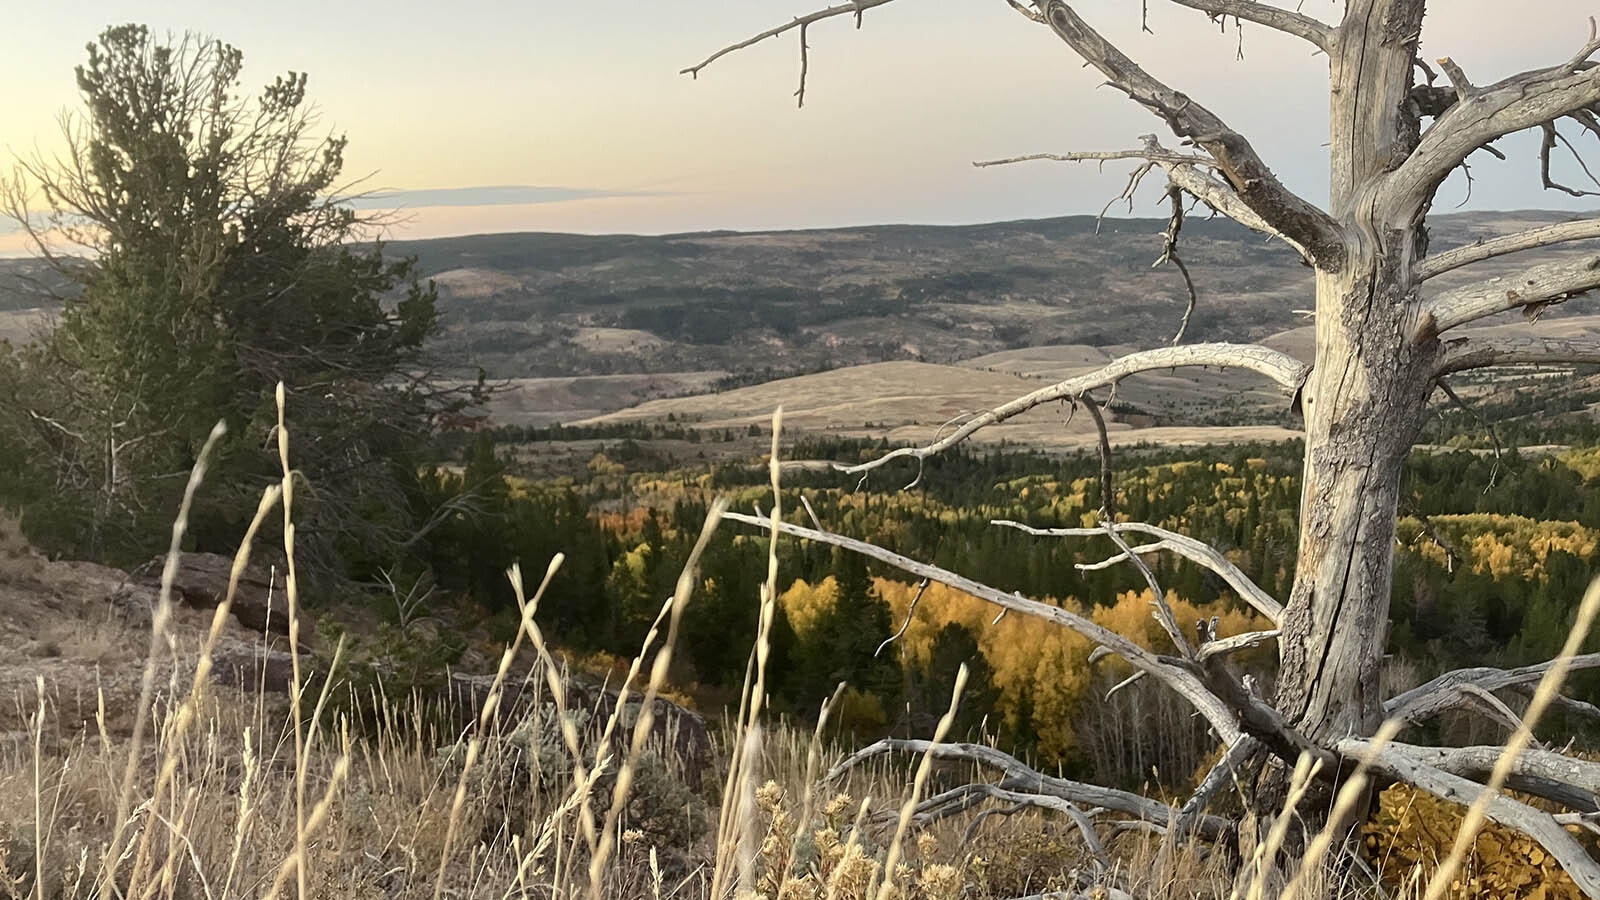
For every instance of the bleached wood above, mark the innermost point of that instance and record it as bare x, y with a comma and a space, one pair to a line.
1017, 772
1364, 398
963, 798
1182, 545
1183, 170
1478, 353
1541, 283
1284, 210
1532, 239
1282, 368
1176, 676
1235, 643
1541, 826
1427, 700
1478, 761
1221, 775
1274, 17
1520, 102
1220, 196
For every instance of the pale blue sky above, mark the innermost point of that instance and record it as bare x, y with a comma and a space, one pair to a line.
580, 108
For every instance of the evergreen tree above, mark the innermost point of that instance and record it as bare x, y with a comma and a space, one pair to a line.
220, 262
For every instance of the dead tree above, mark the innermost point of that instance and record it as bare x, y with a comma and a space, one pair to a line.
1384, 341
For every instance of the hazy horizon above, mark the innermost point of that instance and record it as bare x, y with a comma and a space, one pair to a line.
493, 117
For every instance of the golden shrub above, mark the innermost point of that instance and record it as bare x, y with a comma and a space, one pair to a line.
1412, 831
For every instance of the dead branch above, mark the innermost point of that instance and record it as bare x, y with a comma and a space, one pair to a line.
1244, 641
960, 799
1577, 780
911, 610
1579, 707
1019, 774
1287, 371
1547, 148
1220, 776
1276, 18
1396, 763
1158, 598
1156, 155
1492, 707
1172, 672
1541, 284
1478, 353
1465, 90
855, 8
1183, 170
1182, 545
1428, 700
1262, 721
1256, 185
1227, 704
1169, 254
1527, 100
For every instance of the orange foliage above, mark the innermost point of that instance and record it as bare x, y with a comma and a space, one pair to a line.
1503, 546
805, 604
1035, 662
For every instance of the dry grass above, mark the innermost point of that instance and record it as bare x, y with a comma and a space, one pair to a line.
912, 402
218, 795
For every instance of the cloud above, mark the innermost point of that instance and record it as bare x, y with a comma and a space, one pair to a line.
487, 195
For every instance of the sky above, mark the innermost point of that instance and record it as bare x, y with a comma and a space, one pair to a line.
476, 116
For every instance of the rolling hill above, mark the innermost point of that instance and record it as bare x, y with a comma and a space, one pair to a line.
581, 326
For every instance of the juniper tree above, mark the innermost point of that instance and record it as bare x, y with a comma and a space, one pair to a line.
208, 256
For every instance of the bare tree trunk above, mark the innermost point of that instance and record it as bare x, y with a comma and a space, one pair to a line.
1364, 400
1363, 405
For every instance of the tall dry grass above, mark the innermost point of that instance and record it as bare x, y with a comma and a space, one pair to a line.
218, 794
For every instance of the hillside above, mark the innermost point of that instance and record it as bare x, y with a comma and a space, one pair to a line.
781, 303
913, 401
663, 316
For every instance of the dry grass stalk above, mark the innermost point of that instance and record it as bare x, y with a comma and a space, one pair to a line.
1548, 690
736, 836
924, 769
158, 636
658, 679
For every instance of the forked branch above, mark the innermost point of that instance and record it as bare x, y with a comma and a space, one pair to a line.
1186, 171
1534, 286
1182, 545
1018, 773
855, 8
1282, 368
1286, 212
1532, 239
1172, 672
1528, 100
1428, 700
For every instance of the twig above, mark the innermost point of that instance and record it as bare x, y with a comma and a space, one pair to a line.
910, 611
1494, 471
1287, 371
856, 8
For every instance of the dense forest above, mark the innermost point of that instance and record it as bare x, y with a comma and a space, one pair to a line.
1496, 549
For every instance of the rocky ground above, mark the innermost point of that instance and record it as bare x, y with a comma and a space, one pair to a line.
82, 631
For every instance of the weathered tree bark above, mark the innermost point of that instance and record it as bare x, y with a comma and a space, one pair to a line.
1363, 405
